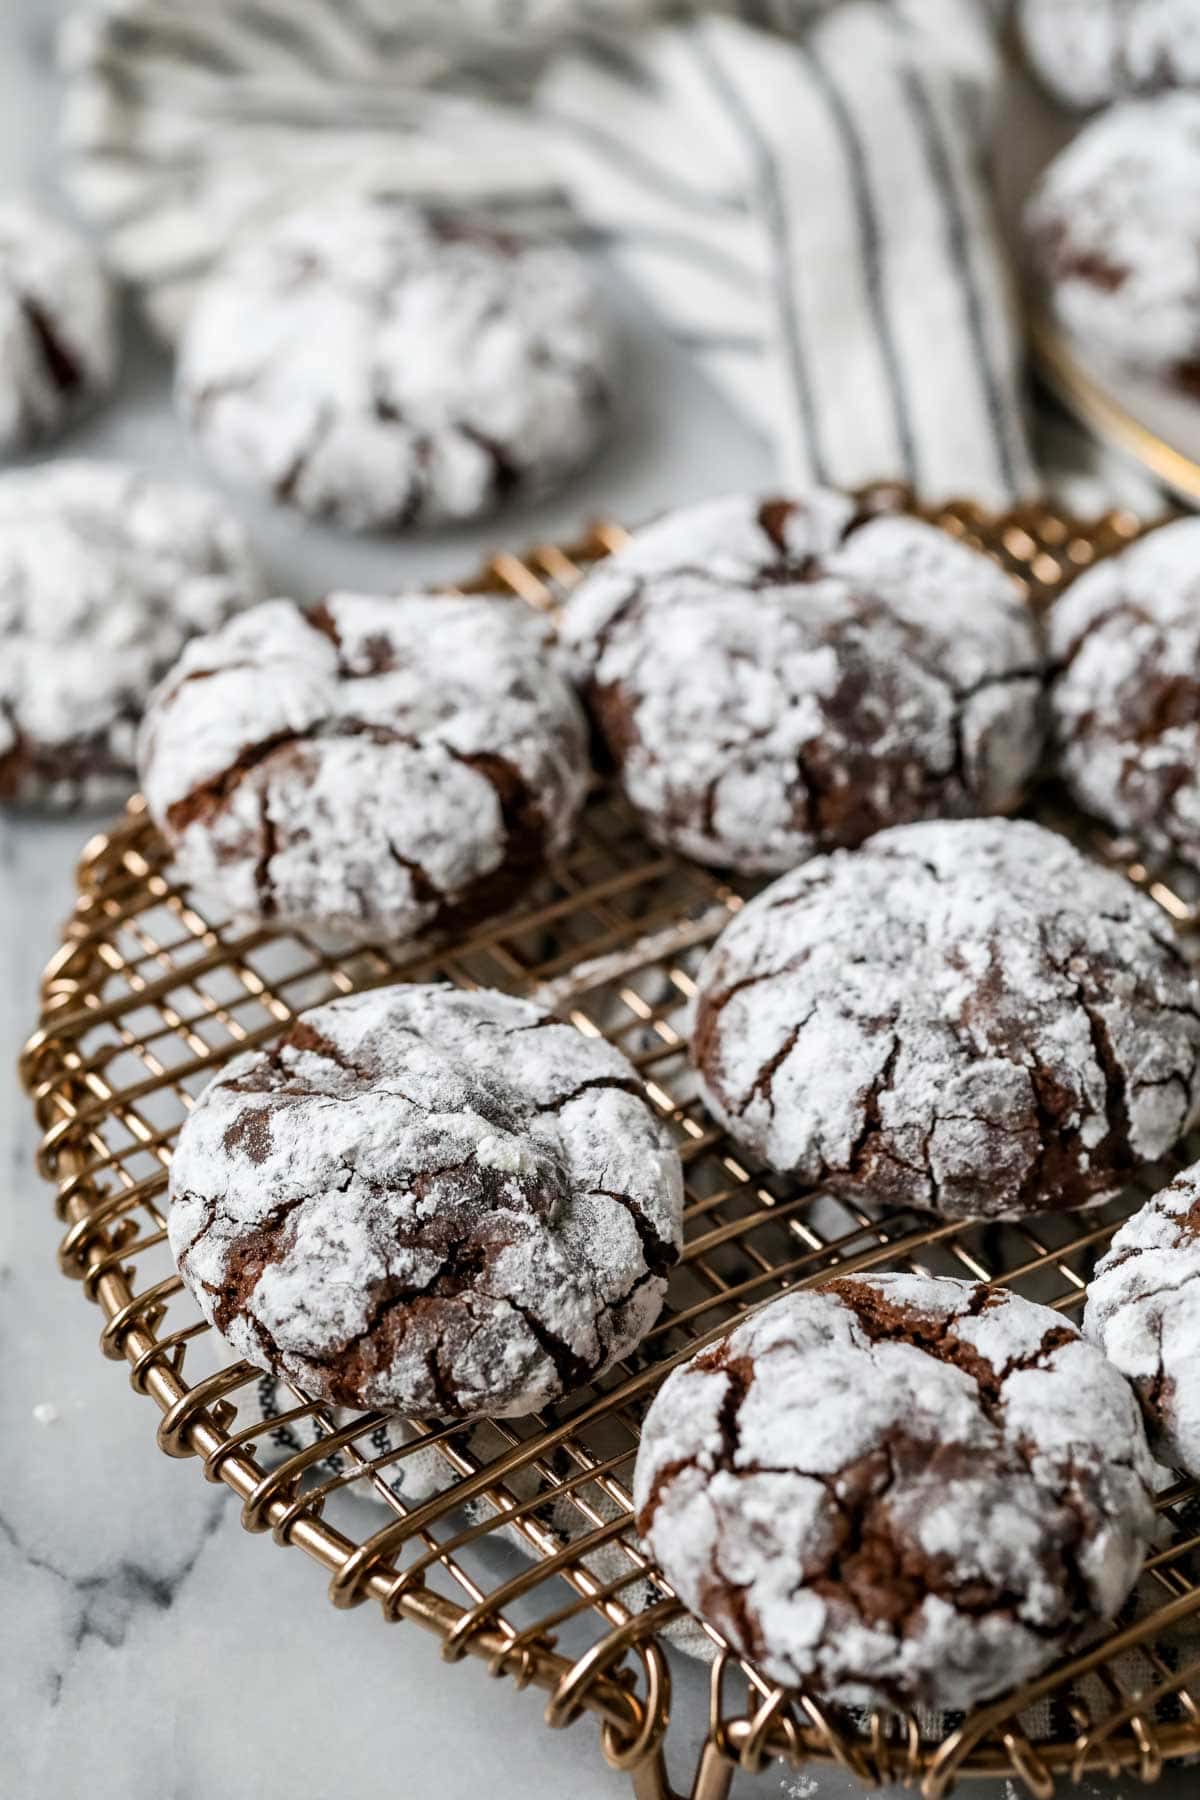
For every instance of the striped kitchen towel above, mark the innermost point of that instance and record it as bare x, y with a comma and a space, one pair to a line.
796, 185
809, 212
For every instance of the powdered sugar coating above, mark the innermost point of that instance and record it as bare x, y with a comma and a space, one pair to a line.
1143, 1311
1114, 233
381, 367
1088, 52
898, 1490
966, 1017
378, 768
1126, 702
58, 334
445, 1203
104, 575
776, 678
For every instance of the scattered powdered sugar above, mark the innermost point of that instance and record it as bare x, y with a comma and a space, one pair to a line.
1143, 1311
898, 1490
104, 575
58, 341
779, 677
376, 768
370, 363
444, 1203
1126, 701
1088, 52
1114, 229
969, 1017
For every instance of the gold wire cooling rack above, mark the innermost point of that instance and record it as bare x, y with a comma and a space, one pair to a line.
147, 997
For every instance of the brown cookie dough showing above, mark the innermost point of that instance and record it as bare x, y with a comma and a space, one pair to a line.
775, 678
436, 1202
898, 1491
1125, 704
1143, 1311
1088, 52
378, 768
967, 1017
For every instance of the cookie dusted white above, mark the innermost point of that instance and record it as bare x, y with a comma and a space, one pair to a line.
898, 1491
779, 677
58, 334
1125, 704
436, 1202
966, 1017
377, 768
1088, 52
1143, 1311
380, 366
105, 574
1114, 235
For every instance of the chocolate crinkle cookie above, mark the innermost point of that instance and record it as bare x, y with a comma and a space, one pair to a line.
1113, 229
104, 575
375, 768
775, 678
428, 1201
898, 1491
58, 333
968, 1017
1088, 52
1125, 704
1143, 1311
384, 367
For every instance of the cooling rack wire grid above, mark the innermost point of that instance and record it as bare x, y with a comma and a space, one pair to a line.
524, 1552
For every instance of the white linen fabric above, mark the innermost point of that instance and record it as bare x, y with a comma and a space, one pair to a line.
810, 213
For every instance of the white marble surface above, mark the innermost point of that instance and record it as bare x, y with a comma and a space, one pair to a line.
149, 1649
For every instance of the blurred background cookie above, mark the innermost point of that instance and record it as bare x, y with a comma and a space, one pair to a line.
384, 367
58, 328
1113, 232
1087, 52
104, 575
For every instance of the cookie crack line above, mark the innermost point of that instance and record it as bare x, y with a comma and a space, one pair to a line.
450, 1244
989, 1503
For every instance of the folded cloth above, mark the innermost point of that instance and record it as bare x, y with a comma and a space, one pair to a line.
796, 185
811, 215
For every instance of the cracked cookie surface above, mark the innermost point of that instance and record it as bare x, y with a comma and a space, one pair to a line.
442, 1203
58, 334
1143, 1311
384, 367
1125, 703
898, 1490
966, 1017
376, 768
1113, 229
1089, 52
775, 678
105, 574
